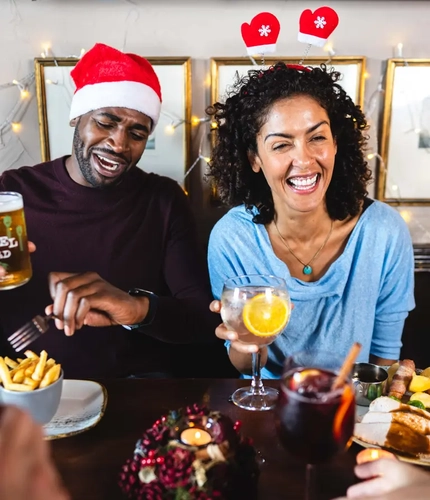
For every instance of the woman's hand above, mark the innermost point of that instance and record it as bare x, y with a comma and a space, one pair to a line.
389, 479
223, 333
240, 353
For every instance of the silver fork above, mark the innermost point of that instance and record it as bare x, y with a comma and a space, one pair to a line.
30, 332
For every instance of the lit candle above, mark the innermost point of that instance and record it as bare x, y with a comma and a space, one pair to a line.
371, 454
195, 437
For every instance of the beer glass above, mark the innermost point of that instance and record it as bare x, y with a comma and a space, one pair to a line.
14, 254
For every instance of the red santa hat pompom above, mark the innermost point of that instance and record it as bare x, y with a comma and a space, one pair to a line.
106, 77
316, 27
261, 34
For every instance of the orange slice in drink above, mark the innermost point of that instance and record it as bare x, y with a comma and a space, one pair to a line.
266, 315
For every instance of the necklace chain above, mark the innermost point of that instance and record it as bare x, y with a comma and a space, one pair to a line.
307, 268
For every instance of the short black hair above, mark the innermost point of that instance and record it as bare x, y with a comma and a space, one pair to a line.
245, 111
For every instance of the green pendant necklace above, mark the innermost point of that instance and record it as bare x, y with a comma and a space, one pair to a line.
307, 268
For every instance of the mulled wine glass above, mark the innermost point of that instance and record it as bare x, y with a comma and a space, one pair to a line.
257, 308
314, 420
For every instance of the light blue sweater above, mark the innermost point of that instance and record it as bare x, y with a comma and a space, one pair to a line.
365, 295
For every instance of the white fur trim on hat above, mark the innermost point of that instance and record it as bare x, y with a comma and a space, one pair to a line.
125, 94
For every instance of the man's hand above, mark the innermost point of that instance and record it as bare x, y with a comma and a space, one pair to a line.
390, 480
26, 468
87, 299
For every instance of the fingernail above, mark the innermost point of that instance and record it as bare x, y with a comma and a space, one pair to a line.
231, 336
67, 331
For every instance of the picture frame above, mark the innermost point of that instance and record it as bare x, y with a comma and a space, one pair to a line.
404, 166
168, 148
353, 68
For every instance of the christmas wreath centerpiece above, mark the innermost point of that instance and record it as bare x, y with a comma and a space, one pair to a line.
190, 454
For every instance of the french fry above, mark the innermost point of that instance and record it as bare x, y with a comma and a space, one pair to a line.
19, 387
24, 363
51, 376
29, 373
30, 368
19, 376
40, 367
4, 373
49, 364
31, 354
31, 383
10, 362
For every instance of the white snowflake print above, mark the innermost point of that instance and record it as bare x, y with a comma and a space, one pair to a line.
320, 22
265, 30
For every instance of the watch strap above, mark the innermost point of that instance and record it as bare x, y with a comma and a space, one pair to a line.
152, 307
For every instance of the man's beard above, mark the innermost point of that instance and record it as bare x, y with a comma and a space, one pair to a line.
88, 173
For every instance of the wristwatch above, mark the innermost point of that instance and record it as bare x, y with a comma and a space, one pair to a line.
152, 308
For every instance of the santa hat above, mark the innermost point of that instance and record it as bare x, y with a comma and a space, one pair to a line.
106, 77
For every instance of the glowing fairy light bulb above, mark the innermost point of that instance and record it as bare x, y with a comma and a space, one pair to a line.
169, 129
406, 215
16, 126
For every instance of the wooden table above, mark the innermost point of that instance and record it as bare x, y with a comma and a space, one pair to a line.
90, 462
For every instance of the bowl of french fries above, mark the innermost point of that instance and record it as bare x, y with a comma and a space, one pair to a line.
33, 383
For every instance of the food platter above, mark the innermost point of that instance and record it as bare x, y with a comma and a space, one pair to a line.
397, 425
360, 412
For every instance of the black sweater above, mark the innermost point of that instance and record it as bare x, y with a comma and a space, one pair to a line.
138, 234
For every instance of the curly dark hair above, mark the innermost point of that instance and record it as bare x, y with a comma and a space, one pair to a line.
245, 112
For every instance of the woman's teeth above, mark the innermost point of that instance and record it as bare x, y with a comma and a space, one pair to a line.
107, 164
303, 183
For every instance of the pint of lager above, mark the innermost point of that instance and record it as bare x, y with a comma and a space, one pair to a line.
14, 254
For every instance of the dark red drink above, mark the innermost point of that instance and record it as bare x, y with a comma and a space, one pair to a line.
314, 422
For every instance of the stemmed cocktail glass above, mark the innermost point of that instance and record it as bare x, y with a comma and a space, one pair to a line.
257, 308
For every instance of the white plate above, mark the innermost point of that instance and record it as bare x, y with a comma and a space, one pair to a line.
360, 412
82, 406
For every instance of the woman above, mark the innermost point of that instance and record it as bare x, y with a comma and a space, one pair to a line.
290, 159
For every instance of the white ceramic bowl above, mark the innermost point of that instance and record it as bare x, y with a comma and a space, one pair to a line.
40, 403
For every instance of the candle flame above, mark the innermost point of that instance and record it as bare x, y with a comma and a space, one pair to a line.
198, 435
374, 454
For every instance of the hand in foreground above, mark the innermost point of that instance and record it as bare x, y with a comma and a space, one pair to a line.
390, 480
31, 249
26, 468
87, 299
223, 333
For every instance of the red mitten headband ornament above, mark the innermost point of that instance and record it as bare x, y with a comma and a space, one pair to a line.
315, 27
261, 34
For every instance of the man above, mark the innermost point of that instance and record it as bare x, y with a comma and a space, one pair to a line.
104, 228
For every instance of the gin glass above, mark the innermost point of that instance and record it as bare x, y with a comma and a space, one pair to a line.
257, 308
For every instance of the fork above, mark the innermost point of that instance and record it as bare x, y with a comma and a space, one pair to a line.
31, 331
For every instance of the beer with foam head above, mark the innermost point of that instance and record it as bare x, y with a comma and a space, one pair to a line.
14, 254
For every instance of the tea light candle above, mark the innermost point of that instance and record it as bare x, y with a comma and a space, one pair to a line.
371, 454
195, 437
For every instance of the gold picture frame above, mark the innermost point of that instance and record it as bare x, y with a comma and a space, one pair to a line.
168, 149
404, 166
355, 77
